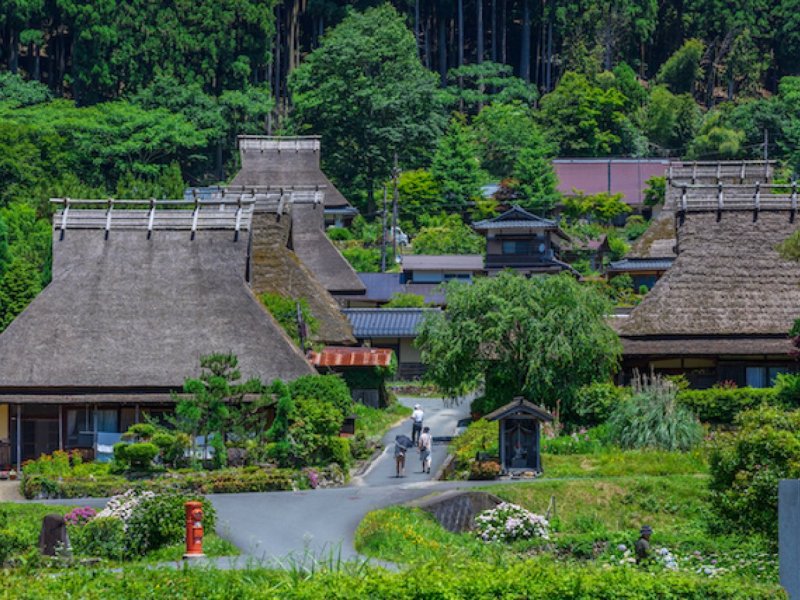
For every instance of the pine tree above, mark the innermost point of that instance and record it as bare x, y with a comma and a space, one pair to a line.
455, 164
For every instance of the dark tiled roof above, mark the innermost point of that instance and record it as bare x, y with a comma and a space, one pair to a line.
641, 264
444, 262
386, 322
519, 406
516, 217
381, 287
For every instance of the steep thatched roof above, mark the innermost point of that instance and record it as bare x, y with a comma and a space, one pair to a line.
318, 253
737, 177
727, 283
131, 312
284, 162
275, 268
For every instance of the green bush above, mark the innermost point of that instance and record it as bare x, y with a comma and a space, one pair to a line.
103, 537
323, 388
595, 402
11, 541
721, 405
140, 432
339, 451
339, 234
483, 405
284, 310
161, 520
480, 437
652, 418
172, 447
746, 466
787, 389
139, 455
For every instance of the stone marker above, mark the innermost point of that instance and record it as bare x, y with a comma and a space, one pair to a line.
456, 509
789, 535
53, 535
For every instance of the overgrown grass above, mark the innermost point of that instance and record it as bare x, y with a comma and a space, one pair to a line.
374, 422
613, 462
26, 520
540, 578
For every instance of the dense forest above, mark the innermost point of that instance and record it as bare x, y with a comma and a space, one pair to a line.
135, 98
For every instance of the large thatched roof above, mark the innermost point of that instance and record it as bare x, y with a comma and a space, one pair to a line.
312, 245
728, 290
128, 311
284, 162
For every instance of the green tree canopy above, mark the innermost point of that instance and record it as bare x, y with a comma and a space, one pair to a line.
447, 234
503, 130
682, 70
419, 195
582, 118
543, 338
366, 92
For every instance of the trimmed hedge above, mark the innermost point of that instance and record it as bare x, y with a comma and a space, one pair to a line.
721, 405
224, 481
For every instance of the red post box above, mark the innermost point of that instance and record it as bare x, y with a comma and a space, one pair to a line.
194, 530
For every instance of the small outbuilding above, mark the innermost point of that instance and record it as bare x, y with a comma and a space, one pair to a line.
520, 432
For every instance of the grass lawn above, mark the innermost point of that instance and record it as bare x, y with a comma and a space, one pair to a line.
26, 520
599, 504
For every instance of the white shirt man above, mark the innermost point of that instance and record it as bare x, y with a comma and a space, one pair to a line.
416, 419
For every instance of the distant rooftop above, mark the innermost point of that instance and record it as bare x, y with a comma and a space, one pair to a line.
626, 176
452, 262
337, 356
386, 322
641, 264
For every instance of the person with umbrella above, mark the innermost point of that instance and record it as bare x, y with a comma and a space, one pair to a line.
401, 445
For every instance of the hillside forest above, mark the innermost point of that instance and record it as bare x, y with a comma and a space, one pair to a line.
128, 98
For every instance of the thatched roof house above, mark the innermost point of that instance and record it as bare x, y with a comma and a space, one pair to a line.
724, 308
137, 297
287, 163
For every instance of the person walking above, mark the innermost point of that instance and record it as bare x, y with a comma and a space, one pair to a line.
425, 447
416, 419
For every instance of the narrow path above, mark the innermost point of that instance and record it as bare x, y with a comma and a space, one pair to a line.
274, 525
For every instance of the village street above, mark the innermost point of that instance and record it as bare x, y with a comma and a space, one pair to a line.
270, 526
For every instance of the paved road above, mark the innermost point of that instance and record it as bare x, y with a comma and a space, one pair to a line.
271, 526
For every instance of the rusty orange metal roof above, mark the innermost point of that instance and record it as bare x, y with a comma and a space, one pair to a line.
340, 356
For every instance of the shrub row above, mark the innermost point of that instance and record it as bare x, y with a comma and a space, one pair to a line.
201, 482
721, 405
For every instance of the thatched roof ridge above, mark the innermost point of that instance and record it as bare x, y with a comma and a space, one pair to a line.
131, 312
284, 162
728, 280
318, 253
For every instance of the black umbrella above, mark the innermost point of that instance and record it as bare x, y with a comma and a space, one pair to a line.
403, 440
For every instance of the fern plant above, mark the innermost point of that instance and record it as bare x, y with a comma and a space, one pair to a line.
653, 418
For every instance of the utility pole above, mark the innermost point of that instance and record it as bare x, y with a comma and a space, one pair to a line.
766, 144
383, 232
395, 175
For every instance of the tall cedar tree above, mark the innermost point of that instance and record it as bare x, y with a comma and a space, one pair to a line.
366, 92
455, 165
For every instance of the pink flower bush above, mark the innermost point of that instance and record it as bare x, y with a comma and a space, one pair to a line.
80, 516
